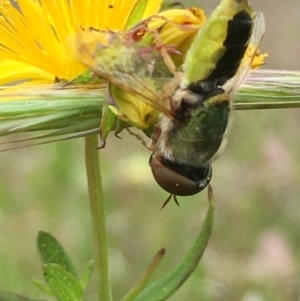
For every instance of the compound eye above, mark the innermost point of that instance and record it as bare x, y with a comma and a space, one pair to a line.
179, 179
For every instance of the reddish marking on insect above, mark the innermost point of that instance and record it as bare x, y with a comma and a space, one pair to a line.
138, 31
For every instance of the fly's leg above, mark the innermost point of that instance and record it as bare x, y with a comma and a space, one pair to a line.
215, 100
154, 137
168, 62
139, 31
138, 137
166, 201
163, 49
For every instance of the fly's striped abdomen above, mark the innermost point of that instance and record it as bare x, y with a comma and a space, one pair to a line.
238, 35
218, 48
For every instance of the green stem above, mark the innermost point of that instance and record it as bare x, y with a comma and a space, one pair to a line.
260, 104
98, 216
269, 89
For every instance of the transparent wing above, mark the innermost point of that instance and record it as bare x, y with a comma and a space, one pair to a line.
134, 68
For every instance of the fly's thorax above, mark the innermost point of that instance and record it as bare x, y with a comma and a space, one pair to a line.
195, 134
182, 101
230, 89
169, 89
183, 95
188, 98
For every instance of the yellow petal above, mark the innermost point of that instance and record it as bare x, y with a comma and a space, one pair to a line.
132, 110
36, 34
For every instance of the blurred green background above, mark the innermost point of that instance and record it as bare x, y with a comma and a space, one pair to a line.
254, 252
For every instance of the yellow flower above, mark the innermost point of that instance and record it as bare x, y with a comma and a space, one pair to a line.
259, 60
181, 29
34, 39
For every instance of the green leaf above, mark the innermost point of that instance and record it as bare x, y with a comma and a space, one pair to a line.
9, 296
139, 286
165, 287
63, 284
51, 251
87, 273
42, 287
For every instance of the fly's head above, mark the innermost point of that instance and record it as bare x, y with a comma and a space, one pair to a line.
179, 178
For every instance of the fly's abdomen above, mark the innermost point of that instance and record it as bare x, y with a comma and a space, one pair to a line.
239, 30
217, 51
